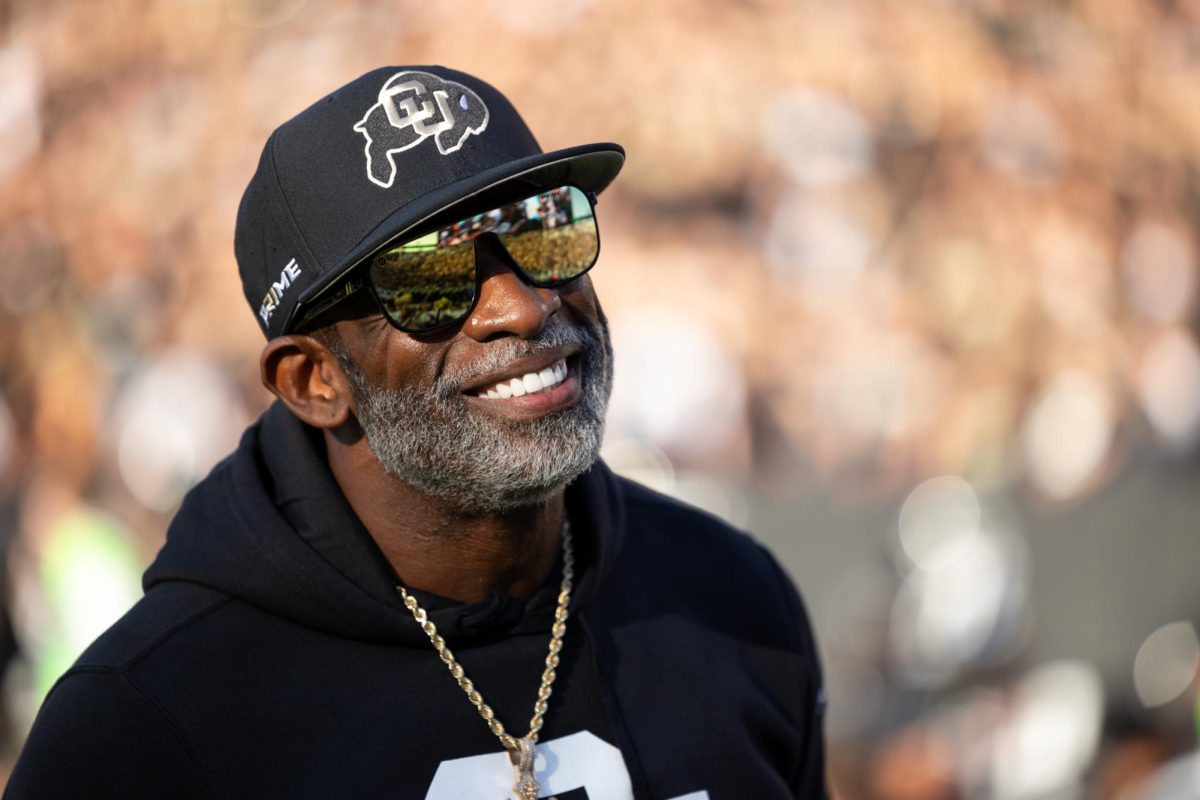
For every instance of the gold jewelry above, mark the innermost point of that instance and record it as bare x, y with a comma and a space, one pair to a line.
520, 751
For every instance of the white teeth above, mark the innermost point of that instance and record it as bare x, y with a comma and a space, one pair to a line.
529, 383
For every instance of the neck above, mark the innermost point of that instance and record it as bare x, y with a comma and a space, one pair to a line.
434, 547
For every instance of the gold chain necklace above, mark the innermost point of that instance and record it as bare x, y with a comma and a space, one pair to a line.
520, 751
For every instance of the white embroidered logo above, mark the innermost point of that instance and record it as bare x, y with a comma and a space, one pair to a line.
271, 301
412, 107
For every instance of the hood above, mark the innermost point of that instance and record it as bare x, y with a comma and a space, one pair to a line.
270, 527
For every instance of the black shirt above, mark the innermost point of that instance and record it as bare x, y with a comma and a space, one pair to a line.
272, 657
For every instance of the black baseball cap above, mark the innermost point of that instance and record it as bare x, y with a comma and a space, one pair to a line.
374, 160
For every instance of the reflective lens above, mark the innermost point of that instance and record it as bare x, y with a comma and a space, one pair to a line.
430, 280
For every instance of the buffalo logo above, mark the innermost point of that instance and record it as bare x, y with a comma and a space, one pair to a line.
412, 107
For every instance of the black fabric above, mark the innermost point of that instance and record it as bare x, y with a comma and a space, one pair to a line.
272, 657
320, 201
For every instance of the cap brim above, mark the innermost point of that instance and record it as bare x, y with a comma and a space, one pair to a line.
591, 167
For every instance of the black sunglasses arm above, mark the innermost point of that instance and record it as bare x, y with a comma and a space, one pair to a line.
329, 300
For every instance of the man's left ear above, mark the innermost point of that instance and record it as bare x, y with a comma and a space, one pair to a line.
304, 374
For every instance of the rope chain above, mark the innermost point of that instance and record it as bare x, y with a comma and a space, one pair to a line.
557, 631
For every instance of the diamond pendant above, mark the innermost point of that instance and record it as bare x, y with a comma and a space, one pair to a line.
526, 787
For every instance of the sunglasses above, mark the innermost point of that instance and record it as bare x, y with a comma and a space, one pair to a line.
431, 280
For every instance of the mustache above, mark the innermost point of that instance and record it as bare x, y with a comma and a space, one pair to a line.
504, 351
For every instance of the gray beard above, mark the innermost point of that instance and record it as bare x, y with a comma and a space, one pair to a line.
479, 464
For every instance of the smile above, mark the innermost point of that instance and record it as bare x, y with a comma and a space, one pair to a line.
529, 383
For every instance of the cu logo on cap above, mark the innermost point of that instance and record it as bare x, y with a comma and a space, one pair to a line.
413, 107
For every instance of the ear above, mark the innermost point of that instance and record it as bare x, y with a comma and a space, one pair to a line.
301, 372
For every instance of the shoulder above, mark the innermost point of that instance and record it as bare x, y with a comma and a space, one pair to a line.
100, 729
98, 734
705, 546
684, 557
689, 589
167, 610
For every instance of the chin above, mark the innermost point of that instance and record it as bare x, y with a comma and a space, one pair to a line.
492, 496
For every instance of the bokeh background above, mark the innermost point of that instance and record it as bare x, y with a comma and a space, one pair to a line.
908, 289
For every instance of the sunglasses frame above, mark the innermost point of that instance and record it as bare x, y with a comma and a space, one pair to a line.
354, 280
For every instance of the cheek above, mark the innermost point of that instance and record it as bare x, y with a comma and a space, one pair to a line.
580, 297
392, 359
408, 362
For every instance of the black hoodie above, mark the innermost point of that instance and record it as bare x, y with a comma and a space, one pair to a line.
272, 657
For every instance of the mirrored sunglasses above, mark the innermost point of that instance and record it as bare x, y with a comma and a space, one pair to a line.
430, 280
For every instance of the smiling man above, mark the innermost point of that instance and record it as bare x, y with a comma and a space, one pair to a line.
414, 578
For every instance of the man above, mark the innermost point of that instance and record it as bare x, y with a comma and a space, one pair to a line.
414, 578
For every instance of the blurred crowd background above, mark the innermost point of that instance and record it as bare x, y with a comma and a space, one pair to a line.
908, 289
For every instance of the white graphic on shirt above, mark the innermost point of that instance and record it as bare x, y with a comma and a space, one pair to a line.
579, 761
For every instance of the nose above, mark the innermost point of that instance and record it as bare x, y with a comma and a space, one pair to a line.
507, 305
